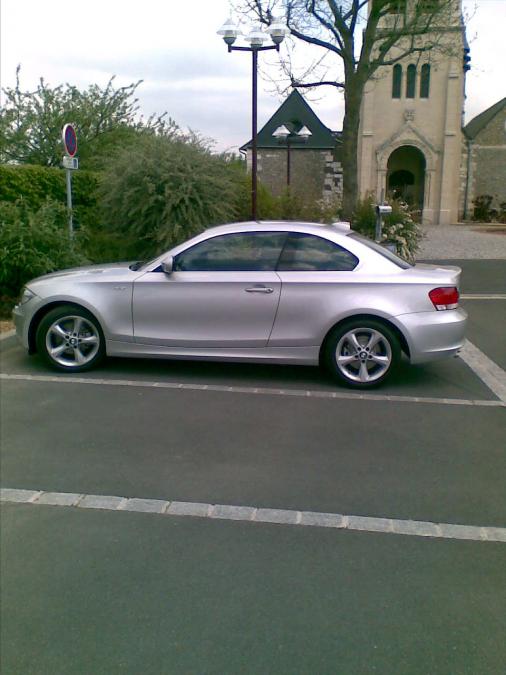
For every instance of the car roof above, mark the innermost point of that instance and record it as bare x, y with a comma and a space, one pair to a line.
280, 225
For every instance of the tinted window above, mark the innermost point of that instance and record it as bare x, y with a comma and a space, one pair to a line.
305, 252
244, 252
400, 262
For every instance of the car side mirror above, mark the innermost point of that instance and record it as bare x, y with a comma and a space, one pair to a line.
168, 265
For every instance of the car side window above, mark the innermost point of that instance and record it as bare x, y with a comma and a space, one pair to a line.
306, 253
239, 252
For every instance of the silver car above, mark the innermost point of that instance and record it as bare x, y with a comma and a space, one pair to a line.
278, 292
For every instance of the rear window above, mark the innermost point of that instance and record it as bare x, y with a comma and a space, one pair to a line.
393, 257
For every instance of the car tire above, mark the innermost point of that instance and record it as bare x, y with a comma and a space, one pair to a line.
362, 353
70, 339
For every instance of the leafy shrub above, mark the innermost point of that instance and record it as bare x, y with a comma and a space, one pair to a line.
35, 184
294, 206
398, 227
160, 191
33, 243
482, 212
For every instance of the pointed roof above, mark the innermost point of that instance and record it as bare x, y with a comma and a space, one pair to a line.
473, 128
295, 113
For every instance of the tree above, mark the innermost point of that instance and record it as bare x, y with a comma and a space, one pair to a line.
31, 122
360, 37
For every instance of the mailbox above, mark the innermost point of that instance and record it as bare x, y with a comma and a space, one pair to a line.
383, 209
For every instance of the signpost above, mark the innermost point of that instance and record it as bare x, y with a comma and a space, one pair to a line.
70, 163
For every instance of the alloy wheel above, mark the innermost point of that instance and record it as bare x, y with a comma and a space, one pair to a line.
72, 341
363, 355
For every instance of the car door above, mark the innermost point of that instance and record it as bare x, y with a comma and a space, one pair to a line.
223, 293
317, 284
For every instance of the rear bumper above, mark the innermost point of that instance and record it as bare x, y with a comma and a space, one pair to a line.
433, 335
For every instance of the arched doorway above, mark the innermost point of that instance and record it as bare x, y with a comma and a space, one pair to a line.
406, 176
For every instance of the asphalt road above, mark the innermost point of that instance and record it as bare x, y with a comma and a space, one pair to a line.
88, 591
106, 593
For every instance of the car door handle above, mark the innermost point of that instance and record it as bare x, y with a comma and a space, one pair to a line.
259, 289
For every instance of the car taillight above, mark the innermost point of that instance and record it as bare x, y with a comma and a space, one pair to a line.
445, 298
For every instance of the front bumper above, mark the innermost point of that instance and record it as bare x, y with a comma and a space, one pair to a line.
433, 335
22, 316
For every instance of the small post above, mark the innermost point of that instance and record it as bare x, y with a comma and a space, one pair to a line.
379, 224
69, 200
70, 163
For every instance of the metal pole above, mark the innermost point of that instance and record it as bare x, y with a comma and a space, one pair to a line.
69, 200
378, 227
288, 162
254, 138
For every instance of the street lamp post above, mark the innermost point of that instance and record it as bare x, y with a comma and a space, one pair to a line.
284, 135
230, 32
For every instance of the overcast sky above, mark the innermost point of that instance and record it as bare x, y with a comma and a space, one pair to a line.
172, 45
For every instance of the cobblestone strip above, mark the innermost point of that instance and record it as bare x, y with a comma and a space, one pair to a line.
487, 370
264, 391
253, 514
7, 334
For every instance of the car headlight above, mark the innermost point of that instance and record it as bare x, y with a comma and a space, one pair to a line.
26, 295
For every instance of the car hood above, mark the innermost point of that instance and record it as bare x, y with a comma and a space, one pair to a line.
108, 269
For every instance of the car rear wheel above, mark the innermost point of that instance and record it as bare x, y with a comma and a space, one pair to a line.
362, 353
70, 339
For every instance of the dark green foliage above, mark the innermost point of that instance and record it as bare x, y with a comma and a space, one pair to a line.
293, 206
398, 227
160, 191
482, 211
32, 243
35, 184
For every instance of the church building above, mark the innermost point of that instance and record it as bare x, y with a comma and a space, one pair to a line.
412, 142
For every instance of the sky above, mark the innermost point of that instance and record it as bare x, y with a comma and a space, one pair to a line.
185, 67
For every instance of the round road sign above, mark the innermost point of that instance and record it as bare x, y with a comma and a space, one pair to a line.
69, 140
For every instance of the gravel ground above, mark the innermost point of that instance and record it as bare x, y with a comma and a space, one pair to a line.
462, 242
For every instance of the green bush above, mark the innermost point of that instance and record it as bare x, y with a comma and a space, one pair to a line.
35, 184
293, 206
160, 191
483, 211
398, 227
32, 243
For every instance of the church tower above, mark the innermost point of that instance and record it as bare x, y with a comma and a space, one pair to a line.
410, 141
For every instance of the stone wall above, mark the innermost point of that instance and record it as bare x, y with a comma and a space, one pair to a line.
489, 160
314, 174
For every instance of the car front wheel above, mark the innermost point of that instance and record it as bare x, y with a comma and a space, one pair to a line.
70, 339
362, 353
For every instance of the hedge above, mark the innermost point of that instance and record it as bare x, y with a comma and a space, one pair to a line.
35, 184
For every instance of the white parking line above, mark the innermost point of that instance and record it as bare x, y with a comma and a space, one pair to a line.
487, 370
254, 514
483, 296
264, 391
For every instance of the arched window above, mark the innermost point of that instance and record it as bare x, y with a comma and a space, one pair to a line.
396, 81
425, 81
411, 81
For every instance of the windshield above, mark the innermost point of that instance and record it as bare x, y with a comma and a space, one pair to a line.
393, 257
